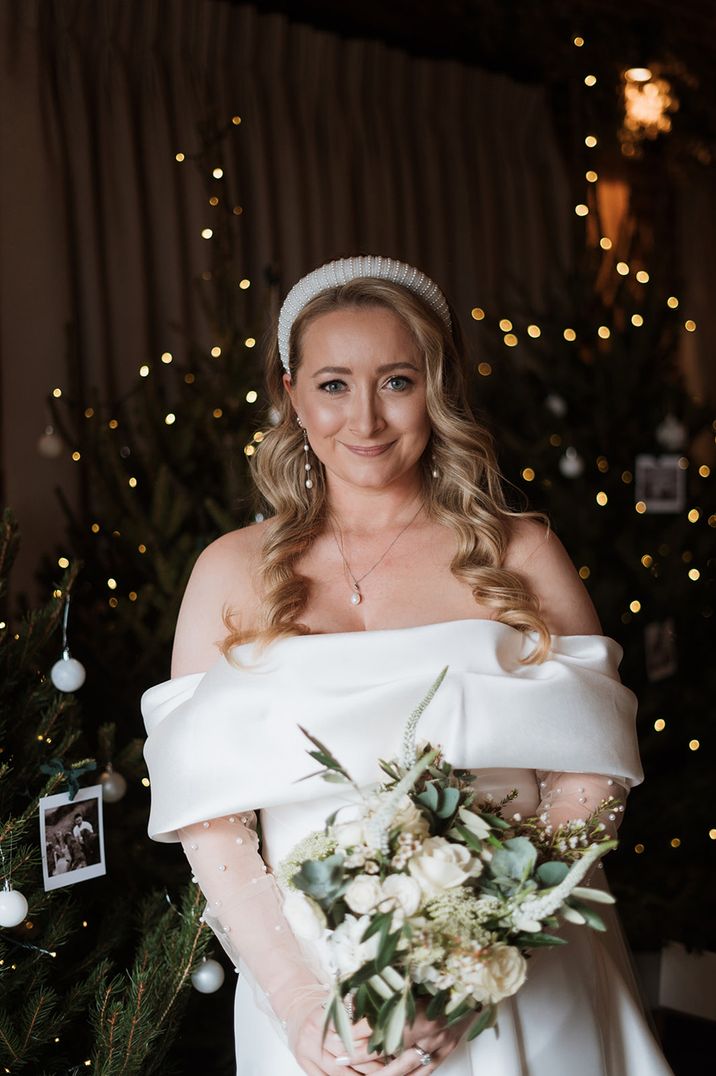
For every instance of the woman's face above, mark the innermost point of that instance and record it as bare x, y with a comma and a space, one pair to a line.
360, 394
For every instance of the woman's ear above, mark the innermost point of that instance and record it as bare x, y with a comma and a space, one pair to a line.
288, 384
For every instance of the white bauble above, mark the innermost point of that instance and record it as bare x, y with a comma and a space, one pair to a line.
556, 404
50, 444
208, 977
68, 674
671, 434
13, 907
571, 463
113, 785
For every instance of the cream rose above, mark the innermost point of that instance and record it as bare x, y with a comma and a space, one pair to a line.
349, 834
400, 890
346, 951
363, 894
305, 918
498, 974
409, 818
440, 865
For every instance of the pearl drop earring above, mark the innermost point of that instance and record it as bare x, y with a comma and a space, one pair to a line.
306, 448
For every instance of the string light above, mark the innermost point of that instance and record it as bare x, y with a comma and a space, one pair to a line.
89, 412
252, 396
237, 210
578, 41
217, 412
660, 724
528, 474
601, 498
605, 243
218, 173
76, 456
213, 201
145, 782
694, 574
694, 745
637, 319
170, 419
675, 842
484, 369
569, 335
642, 276
694, 515
505, 325
591, 176
113, 424
672, 302
590, 80
635, 606
584, 572
236, 120
144, 371
690, 326
215, 352
244, 284
510, 340
477, 313
704, 470
622, 268
534, 331
180, 157
249, 341
590, 141
581, 210
206, 233
627, 477
604, 332
63, 562
133, 482
57, 393
638, 848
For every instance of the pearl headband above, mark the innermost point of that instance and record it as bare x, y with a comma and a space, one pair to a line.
342, 271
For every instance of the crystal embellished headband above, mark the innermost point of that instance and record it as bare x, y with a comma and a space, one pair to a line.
342, 271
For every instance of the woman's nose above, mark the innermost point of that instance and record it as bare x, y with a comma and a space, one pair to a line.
365, 417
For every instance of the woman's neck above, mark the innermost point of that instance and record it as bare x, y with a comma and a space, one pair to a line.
366, 512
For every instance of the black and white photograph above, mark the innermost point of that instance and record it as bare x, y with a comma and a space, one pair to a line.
72, 837
660, 482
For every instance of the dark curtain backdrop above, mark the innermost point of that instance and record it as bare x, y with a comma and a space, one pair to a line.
345, 146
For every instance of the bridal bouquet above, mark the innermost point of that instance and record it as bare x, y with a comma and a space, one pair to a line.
428, 893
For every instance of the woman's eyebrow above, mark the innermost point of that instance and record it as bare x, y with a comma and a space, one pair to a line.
380, 370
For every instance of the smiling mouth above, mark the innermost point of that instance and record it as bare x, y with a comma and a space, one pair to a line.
369, 450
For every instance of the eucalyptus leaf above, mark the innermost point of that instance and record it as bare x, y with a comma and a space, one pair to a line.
539, 939
395, 1027
514, 861
593, 919
494, 820
436, 1005
429, 797
552, 873
449, 800
320, 878
485, 1019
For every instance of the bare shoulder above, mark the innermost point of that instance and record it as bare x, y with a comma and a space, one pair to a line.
536, 553
222, 578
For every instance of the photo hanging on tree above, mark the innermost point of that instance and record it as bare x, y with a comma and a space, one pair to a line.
660, 483
72, 837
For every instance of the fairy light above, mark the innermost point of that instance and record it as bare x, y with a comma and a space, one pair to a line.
252, 396
591, 176
244, 284
712, 834
590, 141
236, 120
569, 335
638, 848
249, 450
142, 548
601, 498
477, 313
133, 482
237, 210
581, 210
133, 595
647, 560
694, 574
180, 157
642, 276
694, 515
113, 424
144, 371
622, 268
57, 393
534, 331
672, 302
682, 462
217, 412
704, 470
675, 842
213, 201
112, 584
170, 419
602, 464
590, 80
63, 562
660, 724
189, 379
484, 369
76, 456
89, 412
627, 477
528, 474
637, 319
218, 173
690, 326
215, 352
510, 340
694, 745
249, 342
635, 606
578, 41
604, 332
605, 243
584, 572
206, 233
505, 325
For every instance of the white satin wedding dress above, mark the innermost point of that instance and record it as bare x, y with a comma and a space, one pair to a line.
228, 741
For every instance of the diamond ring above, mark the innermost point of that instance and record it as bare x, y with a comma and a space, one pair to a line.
425, 1057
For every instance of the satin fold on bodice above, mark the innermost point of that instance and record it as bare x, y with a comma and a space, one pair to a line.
229, 739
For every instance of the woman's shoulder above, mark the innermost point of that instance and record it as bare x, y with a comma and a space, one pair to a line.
222, 579
536, 553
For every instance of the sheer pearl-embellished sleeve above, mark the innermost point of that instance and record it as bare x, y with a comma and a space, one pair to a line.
244, 908
569, 797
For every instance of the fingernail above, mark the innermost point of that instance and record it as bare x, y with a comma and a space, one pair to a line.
343, 1060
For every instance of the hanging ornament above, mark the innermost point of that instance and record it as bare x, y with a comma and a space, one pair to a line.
50, 444
67, 674
113, 784
556, 404
13, 907
208, 977
571, 463
671, 434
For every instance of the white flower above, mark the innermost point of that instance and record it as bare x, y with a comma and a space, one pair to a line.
440, 865
363, 894
474, 823
403, 892
409, 817
305, 917
347, 951
499, 973
349, 834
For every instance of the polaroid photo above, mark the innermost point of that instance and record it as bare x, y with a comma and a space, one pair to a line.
660, 483
660, 649
72, 837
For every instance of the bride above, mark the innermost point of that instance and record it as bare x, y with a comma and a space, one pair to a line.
390, 551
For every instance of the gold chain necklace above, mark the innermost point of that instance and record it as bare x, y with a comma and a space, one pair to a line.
357, 596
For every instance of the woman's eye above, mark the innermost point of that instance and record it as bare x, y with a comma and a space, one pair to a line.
404, 382
330, 386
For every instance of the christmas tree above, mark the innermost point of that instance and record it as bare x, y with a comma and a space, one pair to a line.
94, 976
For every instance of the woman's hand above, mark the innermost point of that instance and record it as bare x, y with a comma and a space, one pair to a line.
330, 1059
433, 1037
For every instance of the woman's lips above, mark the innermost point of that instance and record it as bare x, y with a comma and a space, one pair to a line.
373, 450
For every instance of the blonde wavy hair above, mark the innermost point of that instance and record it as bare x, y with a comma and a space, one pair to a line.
467, 494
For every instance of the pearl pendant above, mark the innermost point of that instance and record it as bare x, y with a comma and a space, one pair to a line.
356, 597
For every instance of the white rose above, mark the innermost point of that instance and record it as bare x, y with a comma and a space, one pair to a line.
440, 865
347, 952
409, 818
498, 974
402, 891
305, 918
349, 834
474, 823
363, 894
